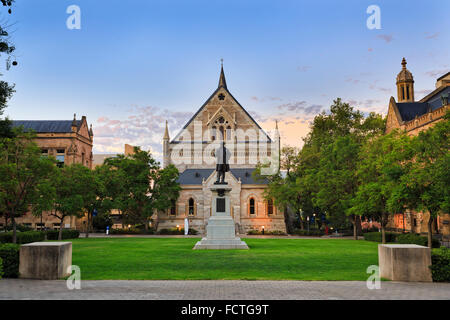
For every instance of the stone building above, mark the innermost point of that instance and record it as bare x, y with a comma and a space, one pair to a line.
69, 141
192, 151
415, 116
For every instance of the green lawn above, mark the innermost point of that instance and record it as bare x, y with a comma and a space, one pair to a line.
267, 259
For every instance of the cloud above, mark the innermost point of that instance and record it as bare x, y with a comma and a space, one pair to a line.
370, 49
386, 37
144, 127
436, 73
354, 81
300, 106
303, 68
262, 99
429, 35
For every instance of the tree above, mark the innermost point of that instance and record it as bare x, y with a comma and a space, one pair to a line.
146, 187
382, 163
72, 195
25, 175
425, 188
6, 90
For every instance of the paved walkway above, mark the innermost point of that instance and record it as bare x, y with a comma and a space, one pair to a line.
219, 290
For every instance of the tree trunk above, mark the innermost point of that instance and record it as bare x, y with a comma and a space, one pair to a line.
146, 225
14, 236
355, 234
383, 228
60, 229
88, 225
6, 222
288, 222
358, 226
430, 231
302, 226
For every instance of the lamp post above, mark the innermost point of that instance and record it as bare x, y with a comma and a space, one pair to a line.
307, 218
263, 230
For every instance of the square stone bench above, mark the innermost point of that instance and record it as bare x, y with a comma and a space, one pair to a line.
45, 260
404, 262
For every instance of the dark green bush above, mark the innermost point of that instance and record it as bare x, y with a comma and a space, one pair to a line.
267, 232
19, 227
376, 236
175, 231
1, 268
9, 253
315, 233
411, 238
440, 264
22, 237
66, 234
131, 231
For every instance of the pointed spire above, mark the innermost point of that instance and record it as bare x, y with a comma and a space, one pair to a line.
166, 132
404, 63
74, 121
222, 81
276, 125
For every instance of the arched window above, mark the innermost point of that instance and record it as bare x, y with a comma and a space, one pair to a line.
269, 206
228, 133
191, 208
251, 206
221, 133
173, 208
213, 133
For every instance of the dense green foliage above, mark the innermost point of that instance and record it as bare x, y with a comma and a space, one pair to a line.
66, 234
376, 236
440, 264
411, 238
267, 259
22, 237
9, 254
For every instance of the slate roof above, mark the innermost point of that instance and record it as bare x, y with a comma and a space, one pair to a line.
46, 126
196, 176
409, 110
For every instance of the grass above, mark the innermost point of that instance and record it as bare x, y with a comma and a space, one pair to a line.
267, 259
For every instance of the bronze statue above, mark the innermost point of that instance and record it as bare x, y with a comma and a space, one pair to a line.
222, 158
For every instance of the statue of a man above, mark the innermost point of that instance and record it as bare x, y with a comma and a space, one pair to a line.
222, 159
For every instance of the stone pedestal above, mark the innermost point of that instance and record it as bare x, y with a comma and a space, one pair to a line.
404, 262
221, 232
45, 260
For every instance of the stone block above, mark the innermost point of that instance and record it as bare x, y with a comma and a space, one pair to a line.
45, 260
404, 262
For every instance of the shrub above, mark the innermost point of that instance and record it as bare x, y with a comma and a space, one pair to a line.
267, 232
376, 236
19, 227
440, 264
315, 233
22, 237
175, 231
416, 239
9, 253
1, 268
131, 231
66, 234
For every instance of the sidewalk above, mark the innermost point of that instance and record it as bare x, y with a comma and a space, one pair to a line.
220, 290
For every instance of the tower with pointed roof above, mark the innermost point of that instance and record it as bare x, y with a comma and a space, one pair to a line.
166, 140
405, 84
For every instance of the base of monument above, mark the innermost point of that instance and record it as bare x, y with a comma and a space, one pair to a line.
221, 244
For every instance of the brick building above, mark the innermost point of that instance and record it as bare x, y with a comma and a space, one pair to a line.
415, 116
69, 141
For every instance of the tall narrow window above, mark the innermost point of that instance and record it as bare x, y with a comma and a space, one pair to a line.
228, 133
213, 133
221, 133
269, 206
173, 208
60, 157
403, 92
191, 207
407, 92
252, 206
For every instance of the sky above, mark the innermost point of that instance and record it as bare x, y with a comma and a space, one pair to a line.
134, 64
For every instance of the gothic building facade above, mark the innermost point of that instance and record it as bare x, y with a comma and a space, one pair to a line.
414, 116
222, 119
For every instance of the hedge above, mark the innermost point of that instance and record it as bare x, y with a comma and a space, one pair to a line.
175, 231
300, 232
267, 233
131, 231
66, 234
440, 267
22, 237
416, 239
9, 253
1, 268
376, 236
